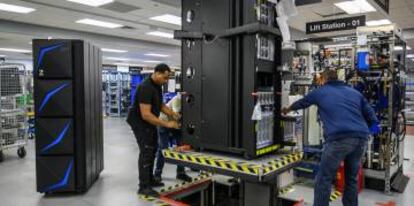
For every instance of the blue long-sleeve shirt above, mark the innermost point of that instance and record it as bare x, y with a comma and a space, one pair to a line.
343, 110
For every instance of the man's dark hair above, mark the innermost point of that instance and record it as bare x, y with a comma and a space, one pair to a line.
161, 68
330, 75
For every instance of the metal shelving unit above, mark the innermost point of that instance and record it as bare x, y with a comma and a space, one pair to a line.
384, 87
116, 93
409, 100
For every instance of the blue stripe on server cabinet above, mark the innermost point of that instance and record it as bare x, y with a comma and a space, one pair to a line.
50, 94
44, 50
58, 139
63, 182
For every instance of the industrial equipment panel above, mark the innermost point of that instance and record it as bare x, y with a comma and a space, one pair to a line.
215, 87
52, 59
54, 136
53, 98
230, 68
68, 115
55, 173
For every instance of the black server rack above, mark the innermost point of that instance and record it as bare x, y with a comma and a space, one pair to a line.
230, 59
68, 115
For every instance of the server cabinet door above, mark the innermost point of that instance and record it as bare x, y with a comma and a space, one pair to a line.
53, 98
216, 89
54, 136
55, 174
52, 59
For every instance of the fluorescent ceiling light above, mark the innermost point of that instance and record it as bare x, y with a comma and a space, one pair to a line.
15, 50
168, 18
157, 55
122, 64
410, 56
378, 22
338, 46
2, 55
356, 6
337, 39
15, 8
117, 59
151, 61
95, 3
161, 34
94, 22
129, 64
113, 50
400, 48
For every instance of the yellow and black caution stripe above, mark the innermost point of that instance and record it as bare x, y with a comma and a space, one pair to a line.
335, 195
158, 202
211, 161
153, 200
281, 162
201, 176
286, 189
268, 149
235, 166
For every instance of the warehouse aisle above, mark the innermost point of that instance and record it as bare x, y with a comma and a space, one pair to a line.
117, 184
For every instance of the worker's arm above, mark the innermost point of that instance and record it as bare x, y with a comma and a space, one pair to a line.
369, 113
147, 115
303, 103
370, 117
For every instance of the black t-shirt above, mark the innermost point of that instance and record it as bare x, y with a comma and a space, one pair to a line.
147, 93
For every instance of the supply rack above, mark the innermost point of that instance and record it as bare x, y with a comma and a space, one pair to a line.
13, 120
116, 92
384, 87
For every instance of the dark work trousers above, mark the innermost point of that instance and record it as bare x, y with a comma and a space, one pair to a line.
349, 150
167, 136
147, 142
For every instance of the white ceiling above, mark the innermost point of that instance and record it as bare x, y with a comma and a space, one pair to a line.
325, 11
62, 15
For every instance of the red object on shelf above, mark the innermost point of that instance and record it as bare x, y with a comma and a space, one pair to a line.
340, 178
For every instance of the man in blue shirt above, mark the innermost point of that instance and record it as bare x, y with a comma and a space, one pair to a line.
347, 120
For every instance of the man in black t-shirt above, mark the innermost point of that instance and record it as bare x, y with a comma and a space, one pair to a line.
143, 119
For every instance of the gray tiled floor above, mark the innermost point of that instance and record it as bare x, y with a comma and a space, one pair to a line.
117, 184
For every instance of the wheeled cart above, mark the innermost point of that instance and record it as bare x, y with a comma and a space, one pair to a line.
12, 109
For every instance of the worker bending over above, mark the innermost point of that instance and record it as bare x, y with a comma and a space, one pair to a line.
347, 120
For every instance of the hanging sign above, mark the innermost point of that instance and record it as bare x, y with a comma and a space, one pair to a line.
335, 25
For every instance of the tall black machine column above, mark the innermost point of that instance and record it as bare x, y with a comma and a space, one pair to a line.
230, 56
68, 115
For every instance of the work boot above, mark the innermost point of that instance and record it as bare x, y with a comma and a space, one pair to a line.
157, 182
157, 178
148, 191
184, 177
